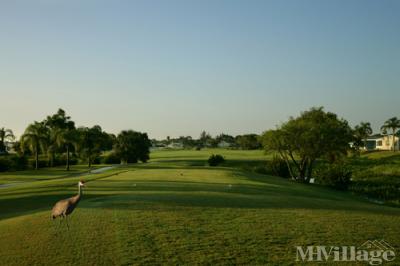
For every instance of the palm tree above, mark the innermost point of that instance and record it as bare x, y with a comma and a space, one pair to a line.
91, 142
393, 124
66, 138
35, 137
362, 131
51, 150
62, 130
5, 134
52, 146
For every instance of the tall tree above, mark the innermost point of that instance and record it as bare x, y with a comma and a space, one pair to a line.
132, 146
5, 135
248, 142
62, 135
392, 124
92, 141
224, 137
303, 140
361, 133
205, 138
67, 139
35, 137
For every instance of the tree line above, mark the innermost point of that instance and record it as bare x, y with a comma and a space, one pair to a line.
320, 135
299, 142
205, 140
58, 140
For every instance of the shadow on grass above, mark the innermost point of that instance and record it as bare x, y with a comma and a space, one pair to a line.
174, 194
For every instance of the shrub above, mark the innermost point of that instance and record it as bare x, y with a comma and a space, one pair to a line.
41, 163
279, 167
215, 160
19, 162
263, 169
377, 190
336, 175
5, 164
111, 158
73, 159
13, 162
96, 160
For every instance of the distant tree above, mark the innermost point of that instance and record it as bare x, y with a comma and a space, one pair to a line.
303, 140
392, 124
224, 137
60, 126
59, 120
5, 135
67, 139
22, 148
205, 139
213, 142
361, 133
35, 138
92, 141
187, 141
132, 146
248, 142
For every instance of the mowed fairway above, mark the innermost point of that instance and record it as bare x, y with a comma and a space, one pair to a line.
175, 210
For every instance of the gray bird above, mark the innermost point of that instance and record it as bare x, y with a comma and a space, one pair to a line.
65, 207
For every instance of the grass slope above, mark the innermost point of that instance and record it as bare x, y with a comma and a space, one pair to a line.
174, 210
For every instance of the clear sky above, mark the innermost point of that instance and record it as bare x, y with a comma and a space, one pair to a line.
180, 67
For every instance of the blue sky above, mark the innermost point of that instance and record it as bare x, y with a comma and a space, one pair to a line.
180, 67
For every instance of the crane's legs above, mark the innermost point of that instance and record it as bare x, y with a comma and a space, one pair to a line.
57, 225
66, 220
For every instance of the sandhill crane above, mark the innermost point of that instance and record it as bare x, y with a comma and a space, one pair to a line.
65, 207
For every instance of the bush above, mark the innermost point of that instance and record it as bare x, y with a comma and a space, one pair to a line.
263, 169
41, 163
215, 160
19, 162
5, 164
279, 167
73, 160
377, 190
96, 160
275, 167
12, 162
111, 158
334, 175
61, 160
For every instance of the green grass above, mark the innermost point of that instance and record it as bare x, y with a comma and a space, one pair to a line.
43, 174
176, 210
377, 175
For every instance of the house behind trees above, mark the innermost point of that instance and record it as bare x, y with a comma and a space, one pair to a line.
382, 143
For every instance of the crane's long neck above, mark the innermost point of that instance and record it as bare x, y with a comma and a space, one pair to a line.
79, 191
